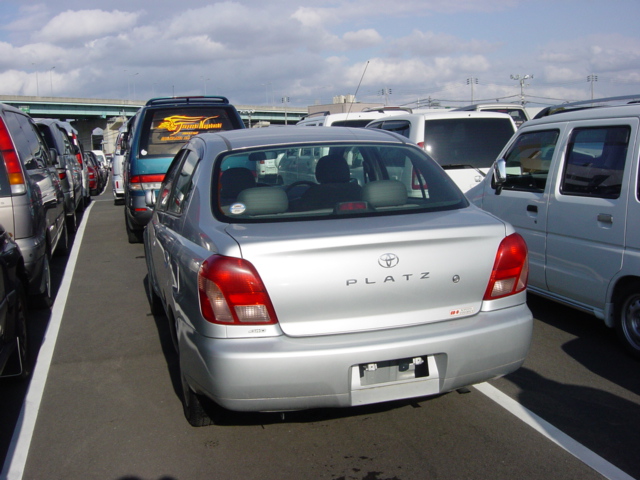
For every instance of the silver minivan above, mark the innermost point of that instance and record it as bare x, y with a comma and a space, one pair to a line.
569, 184
31, 199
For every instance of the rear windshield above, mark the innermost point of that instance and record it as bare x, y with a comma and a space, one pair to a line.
166, 130
474, 142
357, 123
331, 180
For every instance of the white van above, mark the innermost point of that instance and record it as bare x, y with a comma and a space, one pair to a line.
569, 184
351, 119
465, 144
519, 113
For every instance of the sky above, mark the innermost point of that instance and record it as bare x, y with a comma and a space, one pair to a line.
299, 53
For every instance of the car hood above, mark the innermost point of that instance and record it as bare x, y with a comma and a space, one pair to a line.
353, 275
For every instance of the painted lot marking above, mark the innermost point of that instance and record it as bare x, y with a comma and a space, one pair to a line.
23, 433
561, 439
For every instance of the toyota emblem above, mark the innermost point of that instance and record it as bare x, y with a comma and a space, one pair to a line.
388, 260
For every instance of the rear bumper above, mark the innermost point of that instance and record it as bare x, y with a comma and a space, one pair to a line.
137, 211
284, 373
33, 251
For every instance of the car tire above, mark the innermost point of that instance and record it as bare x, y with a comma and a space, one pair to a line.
44, 299
22, 333
64, 245
132, 235
195, 406
628, 318
72, 222
155, 302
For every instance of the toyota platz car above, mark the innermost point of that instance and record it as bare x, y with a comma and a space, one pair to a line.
377, 281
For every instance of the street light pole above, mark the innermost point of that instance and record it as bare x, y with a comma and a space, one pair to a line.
592, 79
471, 81
51, 78
285, 100
522, 85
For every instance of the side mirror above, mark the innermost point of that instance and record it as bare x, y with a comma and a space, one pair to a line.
53, 153
150, 198
499, 174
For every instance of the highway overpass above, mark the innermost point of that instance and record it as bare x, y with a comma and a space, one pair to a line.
91, 115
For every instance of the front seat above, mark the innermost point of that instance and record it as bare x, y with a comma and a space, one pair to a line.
334, 185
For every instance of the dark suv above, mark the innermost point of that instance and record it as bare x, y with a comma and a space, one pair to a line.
31, 198
155, 134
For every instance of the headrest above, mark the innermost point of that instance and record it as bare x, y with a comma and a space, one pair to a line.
332, 169
234, 180
257, 156
384, 193
263, 201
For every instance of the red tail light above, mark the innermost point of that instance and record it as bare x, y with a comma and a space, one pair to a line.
62, 175
232, 292
416, 184
11, 161
146, 182
510, 270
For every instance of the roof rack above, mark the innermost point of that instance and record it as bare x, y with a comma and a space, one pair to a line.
584, 104
187, 100
387, 108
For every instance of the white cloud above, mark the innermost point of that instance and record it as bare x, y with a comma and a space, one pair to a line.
85, 24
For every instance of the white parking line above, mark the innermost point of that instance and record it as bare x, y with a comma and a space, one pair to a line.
561, 439
19, 448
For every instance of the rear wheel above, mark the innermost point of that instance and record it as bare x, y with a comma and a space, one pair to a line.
43, 298
154, 300
628, 318
195, 406
133, 236
22, 333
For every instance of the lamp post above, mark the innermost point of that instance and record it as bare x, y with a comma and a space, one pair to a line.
592, 79
37, 82
205, 80
471, 81
285, 100
51, 78
522, 85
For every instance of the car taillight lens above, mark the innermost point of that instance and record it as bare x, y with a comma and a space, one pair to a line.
146, 182
11, 161
232, 292
510, 270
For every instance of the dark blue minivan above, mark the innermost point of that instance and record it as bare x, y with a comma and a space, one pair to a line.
155, 134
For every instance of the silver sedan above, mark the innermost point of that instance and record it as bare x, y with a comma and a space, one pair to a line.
363, 275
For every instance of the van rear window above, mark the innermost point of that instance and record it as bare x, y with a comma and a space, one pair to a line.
166, 130
466, 141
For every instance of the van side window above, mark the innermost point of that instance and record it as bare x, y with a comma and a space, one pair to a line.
594, 161
528, 160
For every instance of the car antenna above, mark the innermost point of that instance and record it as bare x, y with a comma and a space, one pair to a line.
355, 94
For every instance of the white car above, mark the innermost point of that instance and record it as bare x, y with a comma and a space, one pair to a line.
568, 183
465, 144
328, 293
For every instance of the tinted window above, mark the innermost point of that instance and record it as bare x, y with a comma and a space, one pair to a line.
29, 144
320, 181
528, 160
358, 123
183, 183
401, 127
165, 130
594, 162
466, 141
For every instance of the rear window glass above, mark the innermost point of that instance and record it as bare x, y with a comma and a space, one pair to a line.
331, 180
166, 130
357, 123
474, 142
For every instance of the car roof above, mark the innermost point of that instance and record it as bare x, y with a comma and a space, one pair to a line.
445, 114
287, 135
587, 113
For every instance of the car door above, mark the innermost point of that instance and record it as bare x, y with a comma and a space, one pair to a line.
587, 211
522, 200
168, 220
